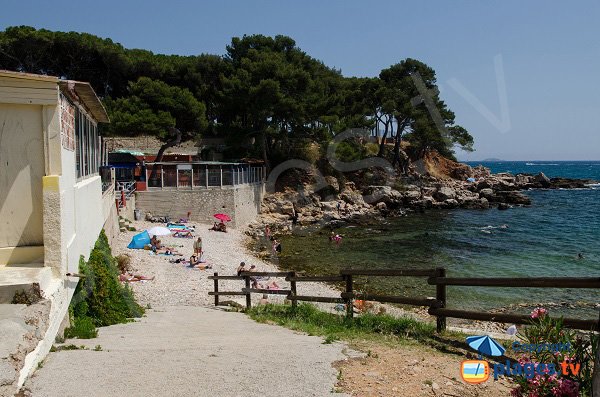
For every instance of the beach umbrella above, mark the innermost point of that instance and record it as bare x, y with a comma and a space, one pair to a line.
159, 231
223, 217
485, 345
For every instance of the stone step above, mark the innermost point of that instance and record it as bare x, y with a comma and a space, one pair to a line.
15, 278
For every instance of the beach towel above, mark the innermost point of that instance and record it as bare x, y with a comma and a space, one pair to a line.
139, 241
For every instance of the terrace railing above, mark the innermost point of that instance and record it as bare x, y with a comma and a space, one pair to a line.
189, 176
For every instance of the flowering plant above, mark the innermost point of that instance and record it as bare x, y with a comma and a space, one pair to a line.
546, 330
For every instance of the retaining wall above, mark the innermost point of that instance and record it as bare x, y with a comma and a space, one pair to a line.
241, 203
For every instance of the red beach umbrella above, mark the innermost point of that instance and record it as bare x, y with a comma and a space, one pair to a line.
223, 217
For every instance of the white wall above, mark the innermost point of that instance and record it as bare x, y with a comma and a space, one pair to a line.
21, 171
83, 214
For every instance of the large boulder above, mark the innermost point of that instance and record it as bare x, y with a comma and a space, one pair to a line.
352, 197
542, 179
382, 194
511, 197
333, 182
487, 193
444, 193
450, 203
523, 180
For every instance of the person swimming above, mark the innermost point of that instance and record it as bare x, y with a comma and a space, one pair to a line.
580, 256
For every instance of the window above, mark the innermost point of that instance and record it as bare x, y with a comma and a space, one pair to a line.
87, 160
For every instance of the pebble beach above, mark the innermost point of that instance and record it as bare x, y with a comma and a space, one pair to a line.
176, 284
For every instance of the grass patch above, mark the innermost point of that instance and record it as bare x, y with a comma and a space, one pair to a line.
100, 299
310, 319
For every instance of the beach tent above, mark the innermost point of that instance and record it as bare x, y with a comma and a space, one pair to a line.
139, 241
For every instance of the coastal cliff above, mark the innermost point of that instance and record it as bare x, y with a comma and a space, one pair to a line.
433, 182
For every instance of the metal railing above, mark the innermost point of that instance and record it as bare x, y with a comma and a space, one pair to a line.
189, 176
127, 187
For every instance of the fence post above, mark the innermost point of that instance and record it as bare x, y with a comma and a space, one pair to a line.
293, 291
248, 296
216, 289
349, 300
440, 296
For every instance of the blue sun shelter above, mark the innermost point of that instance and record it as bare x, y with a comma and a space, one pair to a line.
485, 345
139, 241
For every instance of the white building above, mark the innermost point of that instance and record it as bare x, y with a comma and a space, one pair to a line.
52, 207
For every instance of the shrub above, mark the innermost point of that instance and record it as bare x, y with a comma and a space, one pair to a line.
100, 299
546, 330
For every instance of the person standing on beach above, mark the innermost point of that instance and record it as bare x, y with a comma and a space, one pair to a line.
198, 246
267, 232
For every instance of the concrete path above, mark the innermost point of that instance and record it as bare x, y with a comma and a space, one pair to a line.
191, 351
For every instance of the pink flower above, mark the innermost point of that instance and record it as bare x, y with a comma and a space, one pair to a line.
539, 312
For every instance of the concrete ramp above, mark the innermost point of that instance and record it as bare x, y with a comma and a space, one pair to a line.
191, 351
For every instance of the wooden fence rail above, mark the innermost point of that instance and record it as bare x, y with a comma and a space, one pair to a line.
437, 306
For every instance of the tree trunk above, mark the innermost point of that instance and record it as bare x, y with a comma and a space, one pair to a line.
382, 143
175, 141
397, 143
396, 159
264, 151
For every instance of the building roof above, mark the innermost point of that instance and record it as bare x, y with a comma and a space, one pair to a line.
117, 157
86, 94
28, 76
78, 90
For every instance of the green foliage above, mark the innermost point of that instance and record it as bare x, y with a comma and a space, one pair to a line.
309, 319
152, 106
82, 327
100, 299
266, 96
546, 330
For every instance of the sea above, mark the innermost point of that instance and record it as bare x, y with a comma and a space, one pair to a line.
541, 240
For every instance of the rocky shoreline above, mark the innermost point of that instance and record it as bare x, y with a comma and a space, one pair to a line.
466, 187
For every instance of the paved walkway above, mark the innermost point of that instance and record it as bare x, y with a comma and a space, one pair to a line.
191, 351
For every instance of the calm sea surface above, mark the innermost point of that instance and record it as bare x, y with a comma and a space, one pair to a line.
541, 240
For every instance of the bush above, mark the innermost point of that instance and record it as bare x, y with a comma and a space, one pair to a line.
100, 299
544, 329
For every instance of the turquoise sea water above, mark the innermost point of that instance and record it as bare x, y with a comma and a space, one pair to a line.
541, 240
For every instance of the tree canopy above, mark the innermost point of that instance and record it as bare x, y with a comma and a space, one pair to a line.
265, 96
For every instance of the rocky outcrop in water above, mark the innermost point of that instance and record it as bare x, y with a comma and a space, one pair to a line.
476, 188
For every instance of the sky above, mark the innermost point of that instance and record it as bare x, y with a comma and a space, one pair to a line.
521, 76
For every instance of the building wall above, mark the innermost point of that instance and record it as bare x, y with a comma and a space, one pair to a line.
21, 172
242, 203
83, 212
247, 203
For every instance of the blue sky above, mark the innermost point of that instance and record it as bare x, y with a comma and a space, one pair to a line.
545, 55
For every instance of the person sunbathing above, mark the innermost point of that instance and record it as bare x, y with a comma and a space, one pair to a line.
183, 233
128, 277
271, 284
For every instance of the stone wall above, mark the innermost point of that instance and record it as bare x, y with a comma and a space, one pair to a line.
147, 144
241, 203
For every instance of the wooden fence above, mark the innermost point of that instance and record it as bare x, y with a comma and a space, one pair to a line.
436, 306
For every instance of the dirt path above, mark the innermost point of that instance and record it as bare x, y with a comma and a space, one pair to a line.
191, 351
411, 370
